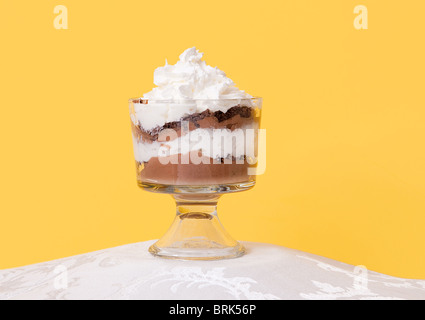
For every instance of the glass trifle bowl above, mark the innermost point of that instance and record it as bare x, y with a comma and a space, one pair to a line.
196, 150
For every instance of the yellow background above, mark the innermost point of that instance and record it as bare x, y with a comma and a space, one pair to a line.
343, 108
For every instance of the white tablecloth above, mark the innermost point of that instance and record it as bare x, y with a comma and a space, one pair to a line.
265, 272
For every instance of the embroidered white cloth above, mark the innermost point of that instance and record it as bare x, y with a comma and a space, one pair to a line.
265, 272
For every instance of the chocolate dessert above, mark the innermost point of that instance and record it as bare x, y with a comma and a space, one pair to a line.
195, 128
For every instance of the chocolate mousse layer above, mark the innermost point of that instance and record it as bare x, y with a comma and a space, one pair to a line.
207, 172
235, 118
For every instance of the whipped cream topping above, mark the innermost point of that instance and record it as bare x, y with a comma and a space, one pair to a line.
192, 78
188, 87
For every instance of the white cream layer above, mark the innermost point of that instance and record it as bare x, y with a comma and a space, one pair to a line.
213, 143
156, 114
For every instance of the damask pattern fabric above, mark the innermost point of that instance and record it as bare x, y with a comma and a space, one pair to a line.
265, 272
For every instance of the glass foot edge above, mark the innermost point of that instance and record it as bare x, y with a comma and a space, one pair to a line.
198, 253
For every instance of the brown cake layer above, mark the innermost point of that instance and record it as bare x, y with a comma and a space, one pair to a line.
206, 173
236, 117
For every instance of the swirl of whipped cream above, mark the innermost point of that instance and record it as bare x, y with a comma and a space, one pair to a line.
192, 78
185, 88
